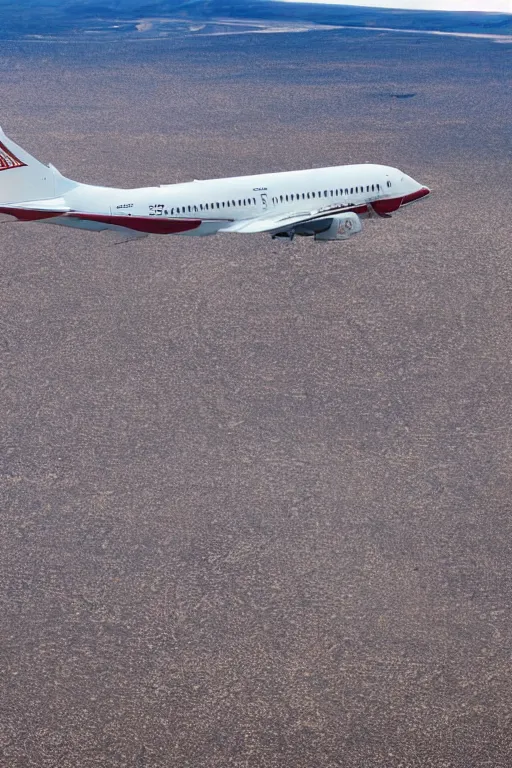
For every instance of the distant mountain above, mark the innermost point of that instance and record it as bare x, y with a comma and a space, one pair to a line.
22, 17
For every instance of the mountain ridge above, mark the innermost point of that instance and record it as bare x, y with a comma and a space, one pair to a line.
51, 17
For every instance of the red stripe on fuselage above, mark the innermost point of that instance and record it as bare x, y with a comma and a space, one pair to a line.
391, 204
387, 206
26, 214
423, 192
382, 207
147, 224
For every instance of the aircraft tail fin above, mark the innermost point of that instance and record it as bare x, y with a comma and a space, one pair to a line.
23, 178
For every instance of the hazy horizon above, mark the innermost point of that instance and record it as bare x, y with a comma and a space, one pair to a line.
481, 6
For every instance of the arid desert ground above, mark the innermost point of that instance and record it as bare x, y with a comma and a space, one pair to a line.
256, 496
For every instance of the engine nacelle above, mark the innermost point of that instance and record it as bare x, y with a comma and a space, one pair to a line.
343, 226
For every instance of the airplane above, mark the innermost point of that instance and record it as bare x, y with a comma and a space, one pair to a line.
323, 203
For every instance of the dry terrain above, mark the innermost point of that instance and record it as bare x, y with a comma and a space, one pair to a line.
256, 496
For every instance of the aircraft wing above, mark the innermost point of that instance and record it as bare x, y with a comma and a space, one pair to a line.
283, 222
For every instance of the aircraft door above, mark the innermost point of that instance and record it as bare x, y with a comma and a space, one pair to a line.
264, 200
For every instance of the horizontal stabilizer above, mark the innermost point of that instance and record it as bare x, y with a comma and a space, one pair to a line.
34, 210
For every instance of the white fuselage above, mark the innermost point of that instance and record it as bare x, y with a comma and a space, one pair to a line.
215, 204
325, 202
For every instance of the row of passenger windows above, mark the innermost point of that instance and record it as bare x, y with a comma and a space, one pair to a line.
214, 206
327, 193
183, 209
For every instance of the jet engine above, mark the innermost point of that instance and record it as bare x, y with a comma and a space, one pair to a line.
340, 227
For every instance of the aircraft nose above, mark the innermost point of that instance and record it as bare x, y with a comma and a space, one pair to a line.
416, 195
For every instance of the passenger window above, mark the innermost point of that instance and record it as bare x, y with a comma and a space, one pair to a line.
313, 194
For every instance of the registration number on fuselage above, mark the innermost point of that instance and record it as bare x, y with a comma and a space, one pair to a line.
157, 210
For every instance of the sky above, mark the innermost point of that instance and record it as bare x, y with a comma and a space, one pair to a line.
489, 6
